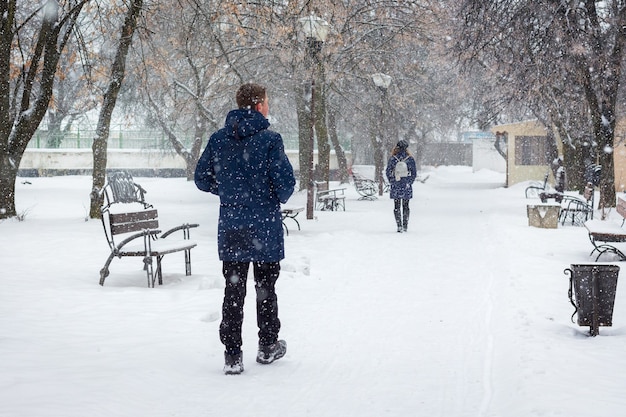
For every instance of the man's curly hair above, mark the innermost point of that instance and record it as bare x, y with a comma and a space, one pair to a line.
249, 95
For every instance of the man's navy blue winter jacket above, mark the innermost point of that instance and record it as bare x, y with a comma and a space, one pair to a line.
245, 164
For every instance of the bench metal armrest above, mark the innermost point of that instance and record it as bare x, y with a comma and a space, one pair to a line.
572, 199
184, 227
152, 232
336, 192
578, 209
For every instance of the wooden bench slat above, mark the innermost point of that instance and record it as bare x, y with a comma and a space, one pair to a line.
133, 216
138, 226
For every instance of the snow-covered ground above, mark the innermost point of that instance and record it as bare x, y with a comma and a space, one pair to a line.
467, 314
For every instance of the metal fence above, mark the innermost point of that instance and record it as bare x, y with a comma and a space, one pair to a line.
118, 139
122, 139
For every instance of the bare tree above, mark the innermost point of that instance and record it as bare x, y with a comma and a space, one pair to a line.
183, 80
205, 48
118, 70
32, 40
73, 95
548, 52
395, 38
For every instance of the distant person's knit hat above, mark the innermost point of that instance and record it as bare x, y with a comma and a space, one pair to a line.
403, 144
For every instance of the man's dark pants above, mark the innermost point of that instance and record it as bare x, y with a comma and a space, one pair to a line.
265, 276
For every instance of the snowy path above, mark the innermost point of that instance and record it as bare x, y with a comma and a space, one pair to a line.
388, 323
464, 316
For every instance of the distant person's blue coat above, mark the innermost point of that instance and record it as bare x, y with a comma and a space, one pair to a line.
404, 187
245, 164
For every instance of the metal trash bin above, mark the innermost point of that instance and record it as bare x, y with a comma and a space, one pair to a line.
593, 287
545, 216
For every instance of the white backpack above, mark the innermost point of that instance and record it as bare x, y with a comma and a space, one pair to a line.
401, 170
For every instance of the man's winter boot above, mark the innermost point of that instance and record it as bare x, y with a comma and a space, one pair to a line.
275, 351
233, 364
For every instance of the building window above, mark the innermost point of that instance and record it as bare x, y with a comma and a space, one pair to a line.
530, 150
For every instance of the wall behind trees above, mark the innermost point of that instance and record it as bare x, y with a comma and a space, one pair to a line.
139, 162
450, 153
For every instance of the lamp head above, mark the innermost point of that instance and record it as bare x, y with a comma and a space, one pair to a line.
381, 80
314, 27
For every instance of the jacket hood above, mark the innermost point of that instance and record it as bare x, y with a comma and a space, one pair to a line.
243, 123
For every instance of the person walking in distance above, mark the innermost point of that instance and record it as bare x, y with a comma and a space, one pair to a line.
245, 164
401, 173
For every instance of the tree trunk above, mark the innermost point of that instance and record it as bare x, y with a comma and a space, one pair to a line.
304, 135
378, 141
379, 163
100, 142
607, 179
191, 158
8, 175
342, 162
321, 132
603, 122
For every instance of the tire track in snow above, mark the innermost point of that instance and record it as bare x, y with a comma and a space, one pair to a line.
489, 349
498, 246
468, 385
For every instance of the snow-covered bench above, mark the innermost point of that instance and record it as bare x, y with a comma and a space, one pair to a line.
329, 198
290, 212
577, 210
126, 215
366, 187
606, 234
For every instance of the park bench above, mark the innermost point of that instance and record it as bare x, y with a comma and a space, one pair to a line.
422, 179
573, 209
536, 188
366, 187
290, 212
131, 228
577, 210
606, 234
330, 199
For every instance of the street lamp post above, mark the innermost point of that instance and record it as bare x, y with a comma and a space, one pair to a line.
382, 81
315, 30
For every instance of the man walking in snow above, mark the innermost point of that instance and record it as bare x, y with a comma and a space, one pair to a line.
245, 164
